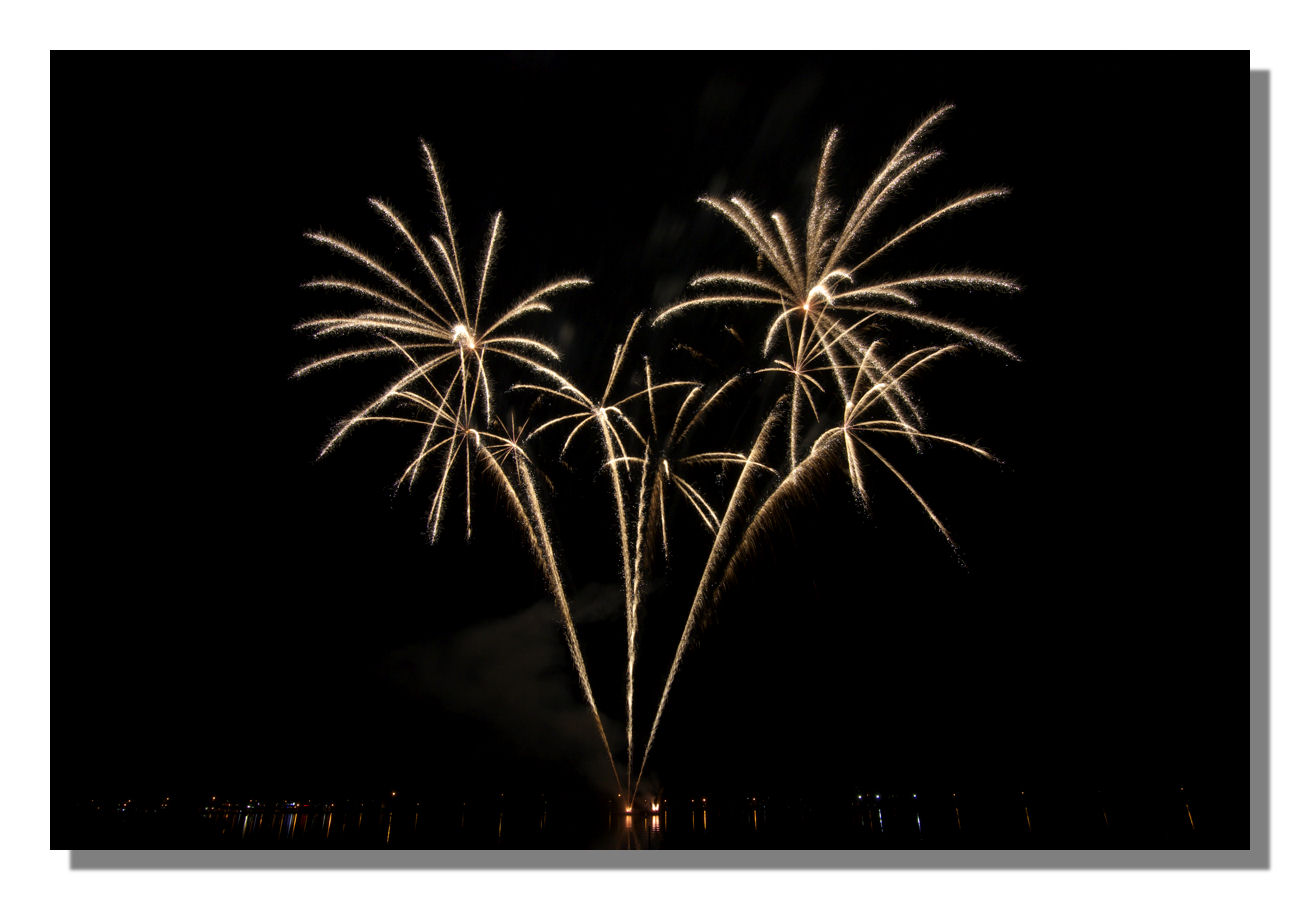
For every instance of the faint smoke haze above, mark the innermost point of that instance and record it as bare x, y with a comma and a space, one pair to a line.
514, 676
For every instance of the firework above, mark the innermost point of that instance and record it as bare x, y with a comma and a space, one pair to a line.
604, 415
439, 329
825, 307
848, 395
816, 301
663, 465
446, 389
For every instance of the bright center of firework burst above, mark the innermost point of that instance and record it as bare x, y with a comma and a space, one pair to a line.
460, 333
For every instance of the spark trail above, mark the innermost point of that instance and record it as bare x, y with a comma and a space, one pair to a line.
540, 540
661, 464
703, 588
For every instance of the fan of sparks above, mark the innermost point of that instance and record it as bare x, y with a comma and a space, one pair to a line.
823, 305
447, 351
439, 331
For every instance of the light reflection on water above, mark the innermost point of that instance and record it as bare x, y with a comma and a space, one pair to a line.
308, 826
476, 824
861, 820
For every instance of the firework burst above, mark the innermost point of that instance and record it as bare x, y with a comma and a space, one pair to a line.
440, 329
445, 388
825, 305
820, 302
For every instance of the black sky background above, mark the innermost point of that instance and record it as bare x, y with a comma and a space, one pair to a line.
232, 614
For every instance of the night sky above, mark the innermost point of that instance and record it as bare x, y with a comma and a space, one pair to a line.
232, 614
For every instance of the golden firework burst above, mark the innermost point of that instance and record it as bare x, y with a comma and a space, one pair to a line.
445, 388
815, 297
824, 305
440, 329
